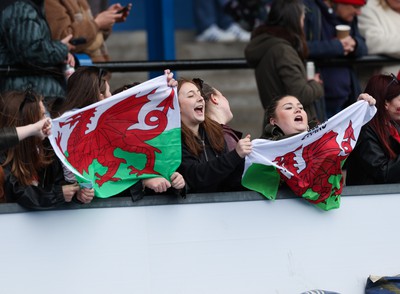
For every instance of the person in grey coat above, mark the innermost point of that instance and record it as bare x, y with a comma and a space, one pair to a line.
25, 41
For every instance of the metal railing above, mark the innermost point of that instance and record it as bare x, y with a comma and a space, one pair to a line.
217, 197
199, 64
203, 64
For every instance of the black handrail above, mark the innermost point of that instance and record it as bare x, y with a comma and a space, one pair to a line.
196, 64
216, 197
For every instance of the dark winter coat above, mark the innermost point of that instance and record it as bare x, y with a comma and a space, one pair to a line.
279, 70
211, 172
340, 83
369, 164
25, 40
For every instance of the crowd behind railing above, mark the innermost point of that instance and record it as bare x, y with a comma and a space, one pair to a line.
40, 77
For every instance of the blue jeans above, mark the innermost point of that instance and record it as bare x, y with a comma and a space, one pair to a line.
209, 12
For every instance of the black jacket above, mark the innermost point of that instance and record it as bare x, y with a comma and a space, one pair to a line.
47, 194
8, 138
211, 172
369, 164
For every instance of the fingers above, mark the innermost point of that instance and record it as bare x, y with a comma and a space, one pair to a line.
71, 60
106, 19
69, 191
348, 44
42, 128
244, 146
67, 39
177, 181
158, 184
46, 128
66, 42
86, 195
170, 78
364, 96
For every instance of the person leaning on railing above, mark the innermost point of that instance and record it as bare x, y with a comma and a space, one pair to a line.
376, 157
207, 165
11, 136
33, 176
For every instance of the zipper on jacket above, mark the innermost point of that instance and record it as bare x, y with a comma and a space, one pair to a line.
204, 148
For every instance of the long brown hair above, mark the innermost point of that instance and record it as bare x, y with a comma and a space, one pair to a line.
384, 88
283, 21
84, 88
212, 130
29, 156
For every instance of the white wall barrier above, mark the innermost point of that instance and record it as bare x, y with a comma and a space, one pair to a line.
284, 246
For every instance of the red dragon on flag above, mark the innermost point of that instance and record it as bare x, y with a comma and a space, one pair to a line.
101, 139
310, 163
313, 175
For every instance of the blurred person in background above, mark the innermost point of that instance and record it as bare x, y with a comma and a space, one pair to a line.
75, 17
341, 84
25, 41
248, 13
98, 6
213, 24
379, 23
278, 51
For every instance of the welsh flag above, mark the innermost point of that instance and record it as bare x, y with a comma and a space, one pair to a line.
310, 163
113, 143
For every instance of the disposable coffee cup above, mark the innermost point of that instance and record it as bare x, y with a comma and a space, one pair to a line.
342, 31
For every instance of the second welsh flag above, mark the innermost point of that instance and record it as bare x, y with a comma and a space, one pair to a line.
113, 143
310, 163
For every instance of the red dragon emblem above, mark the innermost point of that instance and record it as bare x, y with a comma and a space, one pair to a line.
111, 132
319, 161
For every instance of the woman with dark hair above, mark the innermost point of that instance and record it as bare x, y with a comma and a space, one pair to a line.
25, 40
278, 52
218, 109
33, 176
286, 117
376, 160
10, 136
206, 165
88, 85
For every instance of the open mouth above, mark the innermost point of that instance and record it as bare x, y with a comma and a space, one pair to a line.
199, 109
298, 118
